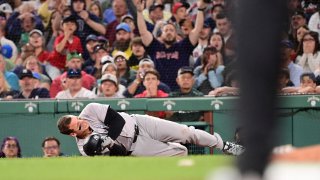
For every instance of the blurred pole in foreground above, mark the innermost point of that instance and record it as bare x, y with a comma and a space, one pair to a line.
259, 24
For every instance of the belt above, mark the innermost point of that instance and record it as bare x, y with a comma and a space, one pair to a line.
136, 133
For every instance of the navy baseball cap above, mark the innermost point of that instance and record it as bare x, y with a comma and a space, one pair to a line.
299, 13
91, 37
185, 69
26, 73
155, 6
74, 73
123, 26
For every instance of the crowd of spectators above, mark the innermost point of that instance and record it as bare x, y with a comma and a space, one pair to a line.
67, 49
103, 49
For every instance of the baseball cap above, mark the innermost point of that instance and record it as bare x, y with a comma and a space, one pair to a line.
98, 47
72, 55
36, 75
70, 18
74, 73
102, 39
286, 44
119, 53
91, 37
124, 17
6, 51
104, 67
25, 73
6, 8
123, 26
206, 25
36, 31
178, 5
109, 77
185, 69
299, 13
146, 61
155, 6
107, 59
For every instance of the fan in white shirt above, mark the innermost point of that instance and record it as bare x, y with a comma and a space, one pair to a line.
74, 87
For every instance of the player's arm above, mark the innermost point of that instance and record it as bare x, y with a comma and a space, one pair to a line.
115, 122
99, 144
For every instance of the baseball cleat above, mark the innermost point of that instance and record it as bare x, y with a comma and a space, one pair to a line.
232, 148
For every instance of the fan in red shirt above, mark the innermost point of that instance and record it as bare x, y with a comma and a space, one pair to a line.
74, 61
151, 80
67, 42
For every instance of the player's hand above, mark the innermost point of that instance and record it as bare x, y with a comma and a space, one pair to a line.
107, 142
98, 144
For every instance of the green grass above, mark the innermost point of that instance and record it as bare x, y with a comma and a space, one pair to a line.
126, 168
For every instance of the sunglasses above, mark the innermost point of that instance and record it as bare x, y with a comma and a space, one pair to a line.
119, 59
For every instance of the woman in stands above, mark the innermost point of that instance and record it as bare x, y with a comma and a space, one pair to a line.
308, 53
209, 75
10, 148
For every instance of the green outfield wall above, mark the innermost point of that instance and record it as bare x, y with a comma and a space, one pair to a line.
32, 121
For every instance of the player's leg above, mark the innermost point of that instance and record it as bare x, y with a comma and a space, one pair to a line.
146, 146
168, 131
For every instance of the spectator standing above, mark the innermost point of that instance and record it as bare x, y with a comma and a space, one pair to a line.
87, 23
36, 39
170, 55
67, 42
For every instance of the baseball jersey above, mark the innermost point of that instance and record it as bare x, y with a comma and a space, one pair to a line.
95, 114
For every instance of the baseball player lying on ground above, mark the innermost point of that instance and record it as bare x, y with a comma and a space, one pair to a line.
100, 130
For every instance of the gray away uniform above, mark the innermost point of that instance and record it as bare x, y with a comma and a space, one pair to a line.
157, 137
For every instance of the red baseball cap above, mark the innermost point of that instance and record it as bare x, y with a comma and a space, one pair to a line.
178, 5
